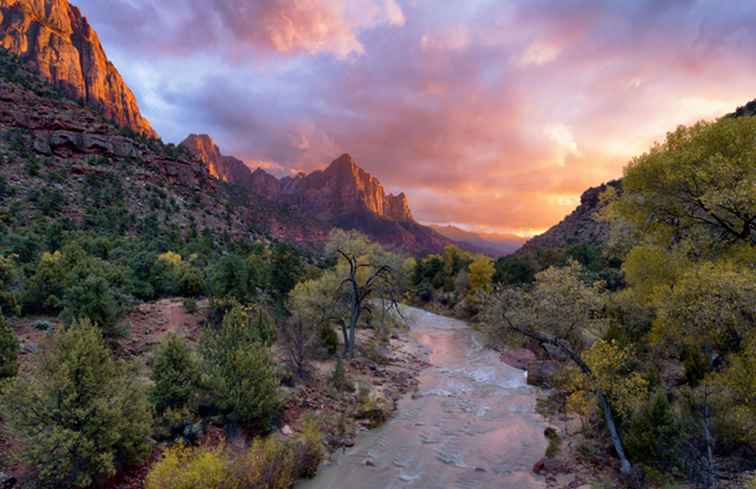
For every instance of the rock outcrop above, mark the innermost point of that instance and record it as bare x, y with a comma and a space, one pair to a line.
57, 41
344, 188
222, 167
580, 227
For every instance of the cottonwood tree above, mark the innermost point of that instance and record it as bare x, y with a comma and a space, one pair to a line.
696, 187
363, 275
562, 314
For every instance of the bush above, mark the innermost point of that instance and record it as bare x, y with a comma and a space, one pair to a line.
190, 281
8, 350
243, 383
339, 378
81, 414
269, 464
182, 467
329, 339
653, 434
190, 305
310, 450
176, 375
94, 299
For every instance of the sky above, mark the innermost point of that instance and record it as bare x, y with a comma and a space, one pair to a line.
492, 115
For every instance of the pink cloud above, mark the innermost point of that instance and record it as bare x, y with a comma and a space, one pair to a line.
492, 115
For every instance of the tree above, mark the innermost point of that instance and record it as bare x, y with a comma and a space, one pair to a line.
513, 270
481, 272
286, 269
696, 187
561, 313
709, 308
81, 414
92, 298
360, 278
242, 377
8, 349
319, 304
175, 373
8, 283
298, 337
44, 289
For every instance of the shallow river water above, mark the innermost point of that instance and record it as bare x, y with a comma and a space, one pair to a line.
472, 424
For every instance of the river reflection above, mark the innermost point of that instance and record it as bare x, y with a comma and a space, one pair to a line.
472, 424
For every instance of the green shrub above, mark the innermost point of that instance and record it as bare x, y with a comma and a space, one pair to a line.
190, 282
93, 298
81, 414
652, 435
339, 378
554, 442
242, 377
8, 350
175, 374
329, 339
190, 305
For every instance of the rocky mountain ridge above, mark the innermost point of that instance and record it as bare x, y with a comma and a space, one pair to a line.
53, 38
341, 188
341, 195
579, 227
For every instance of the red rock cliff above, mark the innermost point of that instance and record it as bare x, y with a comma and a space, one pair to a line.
57, 41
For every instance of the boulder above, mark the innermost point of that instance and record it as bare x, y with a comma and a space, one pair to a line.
541, 372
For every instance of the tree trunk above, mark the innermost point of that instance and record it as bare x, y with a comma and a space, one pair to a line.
614, 433
603, 401
353, 329
709, 470
345, 333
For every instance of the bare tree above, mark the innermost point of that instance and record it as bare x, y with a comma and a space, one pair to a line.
361, 293
298, 338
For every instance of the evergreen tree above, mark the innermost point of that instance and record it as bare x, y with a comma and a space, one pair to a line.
8, 350
81, 414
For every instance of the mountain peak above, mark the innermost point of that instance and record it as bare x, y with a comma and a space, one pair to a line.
203, 146
53, 38
344, 166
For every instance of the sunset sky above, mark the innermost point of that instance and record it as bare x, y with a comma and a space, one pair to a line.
490, 114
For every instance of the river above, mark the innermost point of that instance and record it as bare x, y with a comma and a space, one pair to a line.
472, 424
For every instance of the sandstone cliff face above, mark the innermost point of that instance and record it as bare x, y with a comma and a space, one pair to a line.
342, 188
342, 195
580, 227
57, 41
226, 168
345, 188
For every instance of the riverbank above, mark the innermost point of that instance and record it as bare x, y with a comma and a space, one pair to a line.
471, 423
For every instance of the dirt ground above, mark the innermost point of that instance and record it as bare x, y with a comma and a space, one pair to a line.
378, 383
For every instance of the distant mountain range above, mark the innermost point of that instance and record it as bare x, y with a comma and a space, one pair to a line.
342, 195
491, 244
